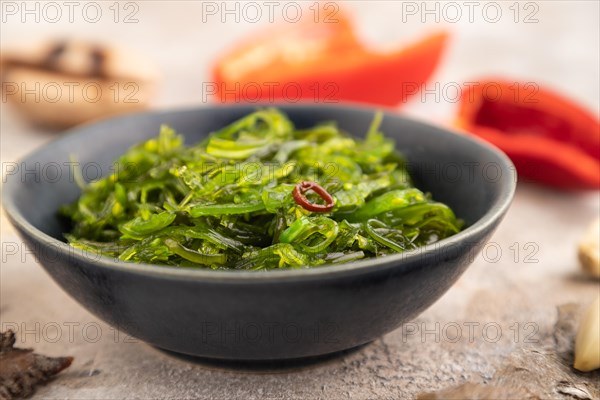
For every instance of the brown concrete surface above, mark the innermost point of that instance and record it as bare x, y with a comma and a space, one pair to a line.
497, 325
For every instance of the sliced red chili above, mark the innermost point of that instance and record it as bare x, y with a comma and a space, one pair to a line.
324, 61
302, 201
550, 138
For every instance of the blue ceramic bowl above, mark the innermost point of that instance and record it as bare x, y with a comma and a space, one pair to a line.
261, 315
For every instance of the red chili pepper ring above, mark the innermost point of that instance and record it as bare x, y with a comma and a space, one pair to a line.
302, 201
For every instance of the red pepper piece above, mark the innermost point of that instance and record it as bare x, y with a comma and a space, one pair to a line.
549, 138
324, 62
301, 200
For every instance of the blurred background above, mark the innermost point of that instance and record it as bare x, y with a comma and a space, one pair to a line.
161, 54
552, 43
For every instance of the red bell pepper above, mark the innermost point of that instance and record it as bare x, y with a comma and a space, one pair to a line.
324, 62
549, 138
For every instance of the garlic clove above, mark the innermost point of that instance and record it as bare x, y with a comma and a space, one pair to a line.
587, 342
589, 250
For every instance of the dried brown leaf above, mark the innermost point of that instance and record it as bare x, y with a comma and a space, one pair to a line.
21, 370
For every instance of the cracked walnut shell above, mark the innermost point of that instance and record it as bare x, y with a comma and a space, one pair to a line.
65, 83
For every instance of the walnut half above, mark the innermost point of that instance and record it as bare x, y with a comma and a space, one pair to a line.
64, 83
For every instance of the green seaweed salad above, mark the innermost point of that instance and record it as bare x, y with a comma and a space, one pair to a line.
258, 194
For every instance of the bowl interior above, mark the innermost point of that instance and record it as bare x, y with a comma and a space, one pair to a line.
468, 175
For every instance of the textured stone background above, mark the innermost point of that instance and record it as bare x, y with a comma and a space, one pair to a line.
517, 293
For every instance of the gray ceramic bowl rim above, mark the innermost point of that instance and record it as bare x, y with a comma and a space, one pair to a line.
330, 271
